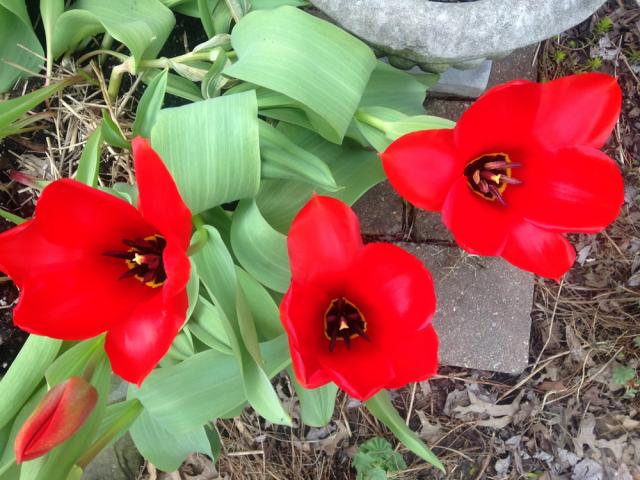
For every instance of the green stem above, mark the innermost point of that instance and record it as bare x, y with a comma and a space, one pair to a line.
103, 51
125, 421
202, 235
116, 78
369, 119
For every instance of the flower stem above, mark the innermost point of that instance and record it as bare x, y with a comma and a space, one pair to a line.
201, 234
96, 357
372, 121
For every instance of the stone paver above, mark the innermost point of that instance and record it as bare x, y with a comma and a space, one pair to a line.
484, 304
120, 461
483, 316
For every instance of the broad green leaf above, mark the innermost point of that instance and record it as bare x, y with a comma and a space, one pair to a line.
176, 85
193, 289
50, 10
207, 325
150, 104
281, 158
117, 419
181, 349
205, 13
165, 448
213, 81
210, 386
19, 45
395, 89
266, 314
111, 133
268, 4
25, 374
143, 26
316, 405
214, 440
89, 164
217, 272
73, 361
260, 249
381, 407
12, 110
212, 149
238, 8
355, 169
326, 69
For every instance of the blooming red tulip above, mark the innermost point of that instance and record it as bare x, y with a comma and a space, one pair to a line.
520, 169
60, 414
89, 262
359, 316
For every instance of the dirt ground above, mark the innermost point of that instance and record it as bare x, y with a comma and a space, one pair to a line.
573, 414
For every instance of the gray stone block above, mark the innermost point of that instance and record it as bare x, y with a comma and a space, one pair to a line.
120, 461
469, 83
483, 316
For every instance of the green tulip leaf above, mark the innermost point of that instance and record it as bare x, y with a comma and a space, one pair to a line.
315, 50
316, 405
211, 148
89, 163
20, 50
381, 407
143, 26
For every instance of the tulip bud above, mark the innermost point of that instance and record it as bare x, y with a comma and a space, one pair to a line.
60, 414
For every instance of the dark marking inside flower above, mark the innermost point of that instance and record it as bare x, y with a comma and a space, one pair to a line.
343, 321
489, 175
143, 259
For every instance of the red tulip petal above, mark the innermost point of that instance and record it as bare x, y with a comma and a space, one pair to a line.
302, 314
46, 273
499, 121
544, 253
578, 110
479, 226
60, 414
394, 291
75, 215
324, 240
576, 189
422, 166
136, 345
361, 371
419, 360
177, 268
159, 199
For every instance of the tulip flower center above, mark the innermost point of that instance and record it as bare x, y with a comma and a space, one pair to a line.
343, 321
489, 175
144, 260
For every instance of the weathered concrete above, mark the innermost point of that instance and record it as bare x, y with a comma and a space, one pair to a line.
437, 35
120, 461
483, 316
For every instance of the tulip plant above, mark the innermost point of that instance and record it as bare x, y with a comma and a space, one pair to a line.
235, 254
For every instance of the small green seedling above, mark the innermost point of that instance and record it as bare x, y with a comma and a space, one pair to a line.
375, 459
626, 376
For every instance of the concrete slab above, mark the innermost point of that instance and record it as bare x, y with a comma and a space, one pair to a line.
483, 316
519, 64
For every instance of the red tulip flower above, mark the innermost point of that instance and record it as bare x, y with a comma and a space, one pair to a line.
59, 415
520, 169
356, 315
89, 262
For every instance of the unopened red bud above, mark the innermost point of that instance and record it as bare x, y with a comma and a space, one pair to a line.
60, 414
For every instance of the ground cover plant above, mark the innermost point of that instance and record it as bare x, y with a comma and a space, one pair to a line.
229, 251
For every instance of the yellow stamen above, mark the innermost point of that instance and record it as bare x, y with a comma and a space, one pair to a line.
343, 324
496, 179
139, 259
